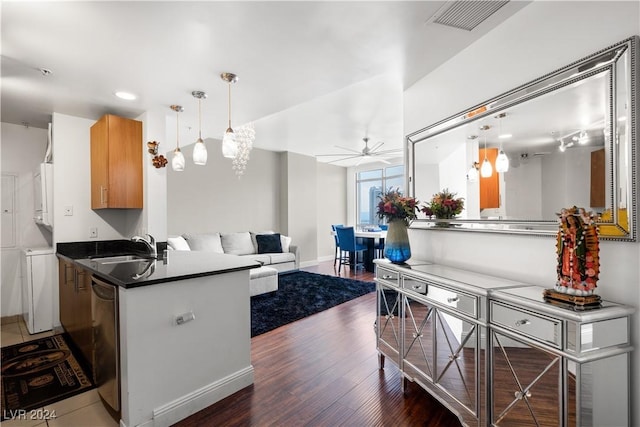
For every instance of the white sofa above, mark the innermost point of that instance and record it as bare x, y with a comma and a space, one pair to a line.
275, 253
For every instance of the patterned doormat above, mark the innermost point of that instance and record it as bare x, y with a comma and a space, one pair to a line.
38, 373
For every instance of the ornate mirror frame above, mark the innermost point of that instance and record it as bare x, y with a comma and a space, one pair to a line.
618, 66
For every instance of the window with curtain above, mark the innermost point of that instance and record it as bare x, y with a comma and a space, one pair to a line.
369, 186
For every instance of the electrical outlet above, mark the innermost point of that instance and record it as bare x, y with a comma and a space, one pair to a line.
68, 211
93, 232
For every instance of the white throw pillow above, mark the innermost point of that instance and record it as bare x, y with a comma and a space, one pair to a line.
178, 243
286, 242
209, 242
237, 243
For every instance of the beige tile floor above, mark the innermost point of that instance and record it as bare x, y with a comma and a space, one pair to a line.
82, 410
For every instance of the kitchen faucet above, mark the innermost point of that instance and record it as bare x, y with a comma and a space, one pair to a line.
150, 242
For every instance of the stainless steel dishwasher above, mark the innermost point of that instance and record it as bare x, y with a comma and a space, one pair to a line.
106, 353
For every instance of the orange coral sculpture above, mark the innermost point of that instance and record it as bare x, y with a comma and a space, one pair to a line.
578, 252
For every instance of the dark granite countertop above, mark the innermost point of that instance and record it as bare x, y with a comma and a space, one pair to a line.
170, 266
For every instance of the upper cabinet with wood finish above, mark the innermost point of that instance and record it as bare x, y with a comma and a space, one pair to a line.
116, 163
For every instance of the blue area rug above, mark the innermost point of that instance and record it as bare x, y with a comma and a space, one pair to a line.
301, 294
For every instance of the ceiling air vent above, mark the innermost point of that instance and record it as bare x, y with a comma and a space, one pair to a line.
466, 15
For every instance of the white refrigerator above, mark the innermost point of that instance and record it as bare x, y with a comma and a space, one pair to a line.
38, 279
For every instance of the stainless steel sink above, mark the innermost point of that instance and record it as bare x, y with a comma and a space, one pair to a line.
120, 259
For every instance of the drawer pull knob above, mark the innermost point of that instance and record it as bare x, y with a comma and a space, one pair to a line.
519, 395
416, 287
523, 322
387, 277
453, 299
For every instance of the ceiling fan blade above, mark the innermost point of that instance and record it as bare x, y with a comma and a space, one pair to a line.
396, 150
349, 149
333, 155
383, 161
345, 158
375, 147
359, 161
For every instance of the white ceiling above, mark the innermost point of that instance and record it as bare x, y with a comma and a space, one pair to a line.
312, 75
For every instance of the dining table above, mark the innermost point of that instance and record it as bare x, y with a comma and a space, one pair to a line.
369, 238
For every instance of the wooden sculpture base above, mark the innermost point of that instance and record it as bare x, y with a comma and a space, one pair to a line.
577, 302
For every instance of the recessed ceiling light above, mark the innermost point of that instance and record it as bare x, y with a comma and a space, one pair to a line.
125, 95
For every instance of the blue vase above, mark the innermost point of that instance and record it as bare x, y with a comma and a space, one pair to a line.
396, 244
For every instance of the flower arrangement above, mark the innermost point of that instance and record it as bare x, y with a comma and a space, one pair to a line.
444, 205
393, 205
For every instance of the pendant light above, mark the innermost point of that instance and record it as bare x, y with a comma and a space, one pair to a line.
177, 162
199, 149
486, 170
502, 161
229, 143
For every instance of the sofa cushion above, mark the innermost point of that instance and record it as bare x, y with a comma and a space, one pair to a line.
286, 242
178, 243
269, 243
283, 257
237, 243
204, 242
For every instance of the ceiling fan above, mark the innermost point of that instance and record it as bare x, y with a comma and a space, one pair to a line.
366, 152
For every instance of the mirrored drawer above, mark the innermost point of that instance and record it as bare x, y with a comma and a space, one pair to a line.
388, 276
415, 285
544, 329
459, 301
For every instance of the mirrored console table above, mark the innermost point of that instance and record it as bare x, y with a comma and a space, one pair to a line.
548, 365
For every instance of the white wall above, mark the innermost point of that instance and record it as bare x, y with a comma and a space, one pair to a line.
302, 205
331, 205
540, 38
23, 149
211, 198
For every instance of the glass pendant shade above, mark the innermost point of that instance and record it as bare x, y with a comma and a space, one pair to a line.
199, 149
502, 162
486, 170
200, 152
177, 163
472, 175
229, 144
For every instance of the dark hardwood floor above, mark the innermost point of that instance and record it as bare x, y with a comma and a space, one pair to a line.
323, 371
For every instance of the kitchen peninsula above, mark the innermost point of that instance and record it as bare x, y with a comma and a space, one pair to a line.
184, 328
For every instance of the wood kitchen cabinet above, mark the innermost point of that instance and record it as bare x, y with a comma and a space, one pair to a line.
116, 163
489, 187
75, 306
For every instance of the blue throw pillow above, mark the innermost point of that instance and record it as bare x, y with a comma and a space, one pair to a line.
269, 243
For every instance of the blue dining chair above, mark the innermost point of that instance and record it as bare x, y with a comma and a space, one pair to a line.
349, 249
336, 256
379, 247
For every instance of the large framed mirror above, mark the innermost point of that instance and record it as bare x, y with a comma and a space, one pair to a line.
569, 138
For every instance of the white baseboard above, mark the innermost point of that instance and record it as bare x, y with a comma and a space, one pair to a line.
308, 263
197, 400
326, 258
